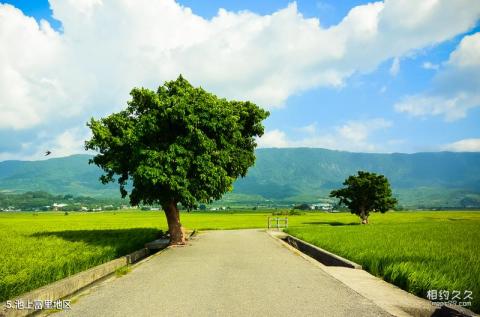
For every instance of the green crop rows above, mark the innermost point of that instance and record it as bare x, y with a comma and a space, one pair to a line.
417, 251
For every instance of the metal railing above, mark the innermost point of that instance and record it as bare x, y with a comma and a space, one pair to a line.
278, 222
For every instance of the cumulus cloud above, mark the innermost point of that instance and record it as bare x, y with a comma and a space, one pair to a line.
28, 84
465, 145
456, 88
350, 136
109, 46
358, 131
70, 141
106, 47
451, 107
274, 138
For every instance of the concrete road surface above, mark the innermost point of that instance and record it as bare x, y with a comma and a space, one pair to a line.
225, 273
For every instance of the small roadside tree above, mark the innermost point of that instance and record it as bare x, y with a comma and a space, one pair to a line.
365, 193
179, 144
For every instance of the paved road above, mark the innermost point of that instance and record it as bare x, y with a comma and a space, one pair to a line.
225, 273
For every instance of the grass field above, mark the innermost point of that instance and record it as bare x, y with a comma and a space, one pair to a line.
37, 249
417, 251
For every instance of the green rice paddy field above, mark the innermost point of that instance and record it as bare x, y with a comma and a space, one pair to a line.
417, 251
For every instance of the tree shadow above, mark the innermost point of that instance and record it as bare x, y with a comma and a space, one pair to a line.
331, 223
122, 241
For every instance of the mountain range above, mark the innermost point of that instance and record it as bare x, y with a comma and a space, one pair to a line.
434, 179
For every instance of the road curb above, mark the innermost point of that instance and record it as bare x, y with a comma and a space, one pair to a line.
74, 283
319, 254
421, 311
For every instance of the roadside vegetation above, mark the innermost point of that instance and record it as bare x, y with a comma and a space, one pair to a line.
39, 248
43, 247
415, 251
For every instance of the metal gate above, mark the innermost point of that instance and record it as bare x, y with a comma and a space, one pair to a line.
277, 222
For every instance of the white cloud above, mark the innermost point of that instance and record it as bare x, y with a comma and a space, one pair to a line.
452, 108
429, 65
273, 138
51, 78
28, 57
350, 136
465, 145
358, 131
68, 142
309, 129
456, 88
467, 53
109, 46
395, 68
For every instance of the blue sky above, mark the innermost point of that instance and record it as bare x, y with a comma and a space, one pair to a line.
346, 75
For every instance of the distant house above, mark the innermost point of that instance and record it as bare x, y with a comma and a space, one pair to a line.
322, 206
56, 206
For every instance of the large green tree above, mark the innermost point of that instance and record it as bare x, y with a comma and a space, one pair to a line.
364, 193
178, 145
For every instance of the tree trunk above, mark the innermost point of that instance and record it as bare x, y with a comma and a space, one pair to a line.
364, 216
365, 220
177, 233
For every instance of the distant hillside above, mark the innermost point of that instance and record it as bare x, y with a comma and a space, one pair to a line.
428, 179
442, 179
66, 175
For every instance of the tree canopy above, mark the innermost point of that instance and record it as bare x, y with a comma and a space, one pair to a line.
180, 144
364, 193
